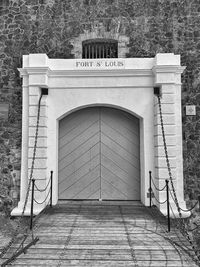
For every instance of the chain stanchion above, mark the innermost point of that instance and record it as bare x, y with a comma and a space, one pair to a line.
32, 202
168, 210
150, 189
51, 177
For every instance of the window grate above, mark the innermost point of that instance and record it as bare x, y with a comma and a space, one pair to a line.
100, 48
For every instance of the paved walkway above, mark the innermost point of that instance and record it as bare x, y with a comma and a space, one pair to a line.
115, 235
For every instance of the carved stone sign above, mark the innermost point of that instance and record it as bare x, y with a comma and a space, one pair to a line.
100, 64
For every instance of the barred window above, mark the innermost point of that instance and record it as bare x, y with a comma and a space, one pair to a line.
100, 48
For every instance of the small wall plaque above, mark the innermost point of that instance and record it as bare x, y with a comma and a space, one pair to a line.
190, 110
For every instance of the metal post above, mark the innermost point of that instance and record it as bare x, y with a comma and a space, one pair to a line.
168, 211
32, 201
199, 202
150, 189
51, 188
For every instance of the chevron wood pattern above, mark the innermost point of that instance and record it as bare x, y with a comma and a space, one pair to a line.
99, 155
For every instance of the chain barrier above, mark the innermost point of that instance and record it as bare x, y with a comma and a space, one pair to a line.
16, 232
188, 210
177, 226
182, 243
44, 189
157, 189
48, 195
40, 203
161, 203
185, 210
165, 234
179, 246
21, 248
166, 155
182, 226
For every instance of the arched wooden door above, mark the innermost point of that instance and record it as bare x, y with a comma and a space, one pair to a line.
99, 155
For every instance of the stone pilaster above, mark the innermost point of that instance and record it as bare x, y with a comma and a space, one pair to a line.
35, 76
167, 71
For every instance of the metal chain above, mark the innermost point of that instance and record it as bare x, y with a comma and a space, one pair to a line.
182, 228
36, 139
185, 210
44, 189
39, 203
165, 234
181, 243
167, 157
16, 232
157, 187
161, 203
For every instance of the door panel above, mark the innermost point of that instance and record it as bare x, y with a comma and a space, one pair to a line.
69, 145
81, 187
72, 155
79, 157
115, 184
118, 138
120, 155
99, 155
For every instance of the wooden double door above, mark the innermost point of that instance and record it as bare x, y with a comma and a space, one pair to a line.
99, 155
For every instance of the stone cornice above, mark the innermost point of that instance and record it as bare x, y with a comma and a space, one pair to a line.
33, 70
84, 73
100, 73
168, 69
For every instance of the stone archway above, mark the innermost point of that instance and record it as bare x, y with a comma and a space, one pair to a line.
127, 84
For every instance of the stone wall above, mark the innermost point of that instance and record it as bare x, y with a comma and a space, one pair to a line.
52, 26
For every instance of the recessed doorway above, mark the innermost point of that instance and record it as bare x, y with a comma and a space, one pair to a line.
99, 155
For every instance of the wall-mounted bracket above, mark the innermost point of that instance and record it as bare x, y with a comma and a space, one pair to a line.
157, 91
44, 91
